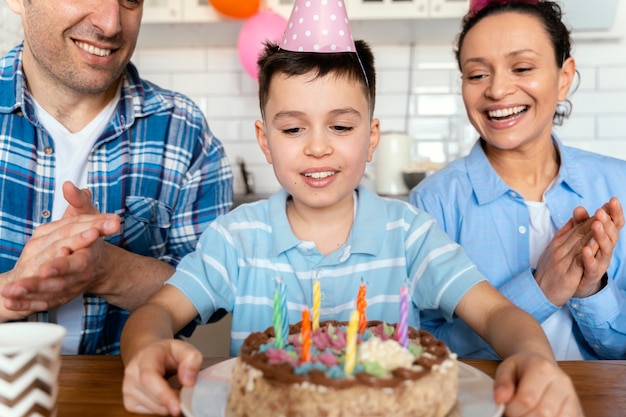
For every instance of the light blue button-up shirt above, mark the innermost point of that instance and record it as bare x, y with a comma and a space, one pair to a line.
490, 220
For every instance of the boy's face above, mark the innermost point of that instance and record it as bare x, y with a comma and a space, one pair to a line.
318, 137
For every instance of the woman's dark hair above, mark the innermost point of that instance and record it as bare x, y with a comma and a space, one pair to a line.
550, 15
357, 66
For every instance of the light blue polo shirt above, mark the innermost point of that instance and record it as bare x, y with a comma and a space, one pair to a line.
242, 253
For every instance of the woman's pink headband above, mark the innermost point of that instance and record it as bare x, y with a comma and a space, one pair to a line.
478, 5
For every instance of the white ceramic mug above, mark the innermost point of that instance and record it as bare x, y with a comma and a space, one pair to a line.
30, 359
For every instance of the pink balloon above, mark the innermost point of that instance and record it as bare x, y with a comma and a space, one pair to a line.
263, 26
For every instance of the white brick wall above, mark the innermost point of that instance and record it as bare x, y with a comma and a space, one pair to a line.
418, 92
432, 111
10, 28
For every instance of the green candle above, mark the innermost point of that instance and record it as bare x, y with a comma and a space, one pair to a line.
278, 320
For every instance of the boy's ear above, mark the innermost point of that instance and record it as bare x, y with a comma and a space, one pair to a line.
261, 138
374, 138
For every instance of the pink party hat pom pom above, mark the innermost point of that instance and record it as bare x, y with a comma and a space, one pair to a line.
318, 26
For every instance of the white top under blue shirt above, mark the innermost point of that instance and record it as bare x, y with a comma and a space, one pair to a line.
490, 220
240, 256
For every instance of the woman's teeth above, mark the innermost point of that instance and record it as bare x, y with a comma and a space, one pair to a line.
319, 175
93, 50
502, 113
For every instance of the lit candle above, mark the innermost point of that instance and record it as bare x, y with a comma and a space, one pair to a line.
351, 343
306, 336
315, 310
277, 319
360, 306
403, 323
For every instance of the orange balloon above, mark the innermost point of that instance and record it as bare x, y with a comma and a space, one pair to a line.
238, 9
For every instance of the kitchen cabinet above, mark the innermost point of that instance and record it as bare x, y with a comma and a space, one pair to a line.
448, 8
162, 11
389, 9
199, 11
179, 11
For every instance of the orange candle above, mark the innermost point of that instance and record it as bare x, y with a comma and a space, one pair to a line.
360, 306
306, 336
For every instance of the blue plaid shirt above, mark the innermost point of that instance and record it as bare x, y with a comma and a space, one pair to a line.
156, 165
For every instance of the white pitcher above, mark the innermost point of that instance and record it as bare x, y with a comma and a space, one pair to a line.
392, 156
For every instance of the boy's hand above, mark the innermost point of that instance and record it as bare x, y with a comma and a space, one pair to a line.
531, 385
145, 387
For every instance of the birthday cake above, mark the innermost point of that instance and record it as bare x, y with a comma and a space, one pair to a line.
417, 378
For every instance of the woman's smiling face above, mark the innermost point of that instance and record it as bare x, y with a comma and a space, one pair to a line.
511, 83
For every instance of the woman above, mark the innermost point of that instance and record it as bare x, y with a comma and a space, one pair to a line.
519, 202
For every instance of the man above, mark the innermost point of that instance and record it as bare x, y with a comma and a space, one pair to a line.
82, 134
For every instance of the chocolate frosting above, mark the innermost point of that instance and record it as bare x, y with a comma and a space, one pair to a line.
283, 373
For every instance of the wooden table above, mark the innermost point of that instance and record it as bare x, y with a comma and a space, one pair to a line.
92, 385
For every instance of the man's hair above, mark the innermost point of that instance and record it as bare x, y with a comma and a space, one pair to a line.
357, 66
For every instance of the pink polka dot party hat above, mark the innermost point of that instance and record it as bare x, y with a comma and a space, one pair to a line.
318, 26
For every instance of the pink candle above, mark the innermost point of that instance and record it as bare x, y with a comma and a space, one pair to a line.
361, 303
403, 323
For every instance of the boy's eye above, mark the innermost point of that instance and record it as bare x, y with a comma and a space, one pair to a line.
343, 129
292, 131
522, 69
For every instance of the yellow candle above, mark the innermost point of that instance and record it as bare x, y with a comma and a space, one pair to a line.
315, 310
351, 343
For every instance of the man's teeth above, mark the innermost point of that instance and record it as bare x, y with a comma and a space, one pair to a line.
506, 112
93, 50
319, 175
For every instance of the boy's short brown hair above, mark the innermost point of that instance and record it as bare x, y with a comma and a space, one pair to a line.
357, 66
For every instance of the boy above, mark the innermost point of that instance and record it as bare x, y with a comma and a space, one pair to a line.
318, 133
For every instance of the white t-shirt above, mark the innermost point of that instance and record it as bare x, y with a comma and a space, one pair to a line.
558, 327
71, 151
